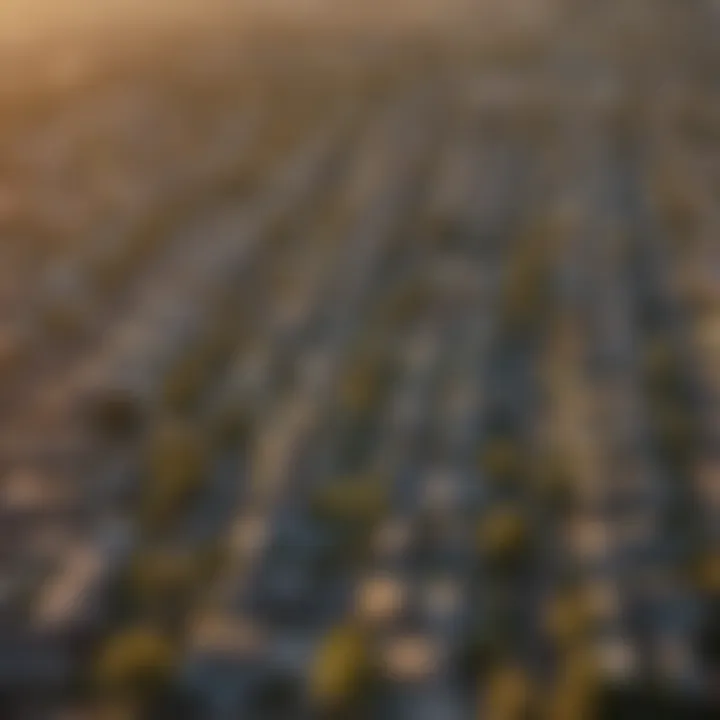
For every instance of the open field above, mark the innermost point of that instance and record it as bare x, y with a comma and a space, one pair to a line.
361, 364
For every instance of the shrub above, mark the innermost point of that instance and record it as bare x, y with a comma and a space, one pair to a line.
340, 670
554, 482
136, 662
355, 501
705, 573
577, 689
483, 646
503, 538
160, 578
501, 460
184, 382
659, 364
675, 431
510, 694
176, 464
360, 387
568, 618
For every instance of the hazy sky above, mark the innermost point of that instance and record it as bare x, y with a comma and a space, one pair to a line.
29, 15
21, 20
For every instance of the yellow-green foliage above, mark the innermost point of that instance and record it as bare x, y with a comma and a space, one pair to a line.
184, 382
138, 662
501, 460
521, 301
706, 573
510, 694
158, 578
568, 618
553, 480
577, 689
503, 537
187, 379
340, 669
525, 289
363, 382
176, 465
354, 501
674, 429
659, 363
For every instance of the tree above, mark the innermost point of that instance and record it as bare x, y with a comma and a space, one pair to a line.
568, 618
176, 464
138, 662
340, 670
510, 694
503, 538
501, 460
357, 501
